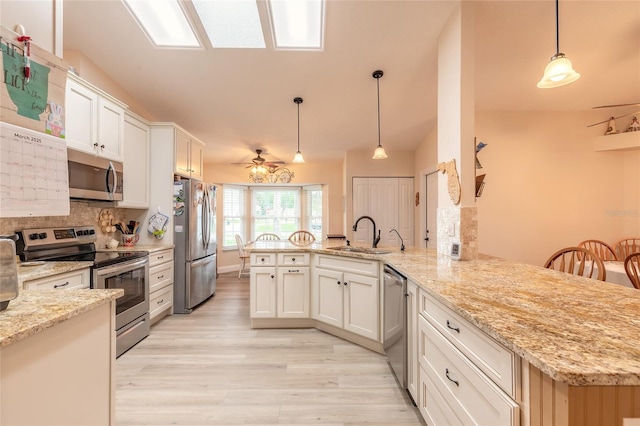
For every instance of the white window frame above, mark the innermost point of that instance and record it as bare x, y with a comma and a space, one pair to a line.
308, 218
242, 216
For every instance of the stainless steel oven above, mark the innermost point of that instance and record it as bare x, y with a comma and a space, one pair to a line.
132, 309
128, 270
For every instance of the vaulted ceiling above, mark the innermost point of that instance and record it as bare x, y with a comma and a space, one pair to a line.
237, 100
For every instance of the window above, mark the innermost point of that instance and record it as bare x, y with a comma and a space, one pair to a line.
234, 215
275, 210
312, 210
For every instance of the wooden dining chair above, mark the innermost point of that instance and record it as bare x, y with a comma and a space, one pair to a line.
601, 249
244, 267
632, 267
302, 237
267, 236
626, 246
577, 261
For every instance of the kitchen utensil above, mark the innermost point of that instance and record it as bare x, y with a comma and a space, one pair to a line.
8, 272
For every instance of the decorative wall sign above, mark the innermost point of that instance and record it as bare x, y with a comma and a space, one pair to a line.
453, 180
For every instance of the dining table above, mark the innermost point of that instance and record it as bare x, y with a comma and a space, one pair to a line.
615, 273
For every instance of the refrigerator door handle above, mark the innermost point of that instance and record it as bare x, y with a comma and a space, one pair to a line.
204, 217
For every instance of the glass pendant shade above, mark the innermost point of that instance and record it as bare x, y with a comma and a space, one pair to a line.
298, 158
379, 153
558, 72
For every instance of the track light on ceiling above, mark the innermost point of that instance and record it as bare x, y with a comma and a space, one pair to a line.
298, 157
379, 153
559, 71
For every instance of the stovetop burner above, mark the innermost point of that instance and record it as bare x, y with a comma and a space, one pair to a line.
101, 259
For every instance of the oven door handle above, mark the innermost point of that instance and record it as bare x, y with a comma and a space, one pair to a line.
118, 269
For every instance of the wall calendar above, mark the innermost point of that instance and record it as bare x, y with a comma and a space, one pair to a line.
34, 178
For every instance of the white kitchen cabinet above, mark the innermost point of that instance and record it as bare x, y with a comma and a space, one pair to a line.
160, 284
465, 376
94, 120
412, 339
188, 155
77, 279
136, 163
279, 286
348, 300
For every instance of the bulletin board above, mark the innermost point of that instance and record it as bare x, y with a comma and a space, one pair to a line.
36, 103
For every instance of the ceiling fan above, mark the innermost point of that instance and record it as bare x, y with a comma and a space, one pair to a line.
614, 118
261, 161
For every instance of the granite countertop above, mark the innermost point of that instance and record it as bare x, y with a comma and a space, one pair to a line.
576, 330
36, 310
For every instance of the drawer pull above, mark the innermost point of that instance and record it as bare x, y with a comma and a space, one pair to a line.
160, 257
161, 301
61, 285
294, 270
160, 277
293, 259
446, 372
457, 329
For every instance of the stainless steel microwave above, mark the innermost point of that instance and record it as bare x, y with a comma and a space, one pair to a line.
94, 178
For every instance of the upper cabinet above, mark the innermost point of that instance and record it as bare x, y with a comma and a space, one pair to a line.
94, 120
617, 142
136, 163
188, 156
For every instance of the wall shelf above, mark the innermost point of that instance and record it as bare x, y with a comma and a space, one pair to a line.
618, 142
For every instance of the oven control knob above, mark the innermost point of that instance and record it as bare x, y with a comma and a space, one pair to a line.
42, 235
33, 236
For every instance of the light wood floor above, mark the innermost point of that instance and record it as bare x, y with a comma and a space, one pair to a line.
211, 368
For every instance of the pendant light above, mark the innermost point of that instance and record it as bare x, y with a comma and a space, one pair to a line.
559, 71
298, 157
379, 153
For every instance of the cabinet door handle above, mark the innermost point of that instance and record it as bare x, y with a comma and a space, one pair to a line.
293, 259
102, 146
160, 257
446, 372
345, 283
456, 329
95, 145
339, 283
61, 285
160, 277
272, 276
160, 301
294, 270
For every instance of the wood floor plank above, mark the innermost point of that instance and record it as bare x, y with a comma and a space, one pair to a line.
211, 368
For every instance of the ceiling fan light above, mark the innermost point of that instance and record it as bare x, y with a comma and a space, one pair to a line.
558, 72
379, 153
298, 158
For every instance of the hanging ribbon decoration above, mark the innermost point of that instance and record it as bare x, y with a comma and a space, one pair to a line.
26, 53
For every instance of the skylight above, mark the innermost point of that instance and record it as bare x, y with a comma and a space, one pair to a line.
297, 24
231, 23
164, 21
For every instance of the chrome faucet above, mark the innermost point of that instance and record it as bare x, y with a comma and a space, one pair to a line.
376, 239
401, 240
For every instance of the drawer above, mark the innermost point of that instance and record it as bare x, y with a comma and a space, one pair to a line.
160, 257
435, 408
467, 390
160, 300
349, 264
263, 259
70, 280
293, 259
497, 362
160, 276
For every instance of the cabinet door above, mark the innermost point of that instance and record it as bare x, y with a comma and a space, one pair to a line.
110, 129
196, 159
329, 297
182, 148
262, 282
293, 292
412, 339
81, 117
136, 164
361, 305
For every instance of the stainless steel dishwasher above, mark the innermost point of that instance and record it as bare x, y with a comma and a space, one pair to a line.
395, 323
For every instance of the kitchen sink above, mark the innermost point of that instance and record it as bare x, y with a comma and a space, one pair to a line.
368, 250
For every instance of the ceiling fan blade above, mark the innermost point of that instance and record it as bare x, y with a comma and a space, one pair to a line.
613, 106
614, 118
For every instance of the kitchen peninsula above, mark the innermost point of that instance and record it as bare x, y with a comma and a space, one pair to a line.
574, 342
57, 356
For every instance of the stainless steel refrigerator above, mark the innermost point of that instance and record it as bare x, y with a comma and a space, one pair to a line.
194, 236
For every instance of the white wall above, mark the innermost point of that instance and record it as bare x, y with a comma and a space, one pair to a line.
546, 188
42, 23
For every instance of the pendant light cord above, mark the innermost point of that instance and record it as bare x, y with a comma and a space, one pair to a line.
298, 127
378, 81
557, 30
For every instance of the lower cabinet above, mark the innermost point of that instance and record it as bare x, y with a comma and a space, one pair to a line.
279, 288
80, 278
160, 284
457, 366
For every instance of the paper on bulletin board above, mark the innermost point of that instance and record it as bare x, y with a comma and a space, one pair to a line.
34, 176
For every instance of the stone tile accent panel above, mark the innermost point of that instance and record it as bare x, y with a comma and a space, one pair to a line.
458, 224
